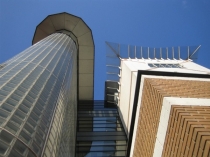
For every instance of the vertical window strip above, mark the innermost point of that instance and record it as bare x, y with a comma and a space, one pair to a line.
59, 113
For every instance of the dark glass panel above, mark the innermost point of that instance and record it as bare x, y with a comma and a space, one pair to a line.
3, 113
25, 137
15, 97
32, 123
14, 153
16, 120
34, 117
23, 109
99, 130
7, 107
6, 137
27, 104
21, 89
38, 140
6, 88
36, 149
2, 120
20, 147
28, 129
3, 148
41, 133
11, 85
4, 93
12, 102
20, 114
12, 127
30, 154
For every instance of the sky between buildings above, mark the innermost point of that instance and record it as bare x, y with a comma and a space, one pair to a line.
151, 23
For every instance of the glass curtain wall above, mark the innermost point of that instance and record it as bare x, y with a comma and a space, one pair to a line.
100, 132
38, 98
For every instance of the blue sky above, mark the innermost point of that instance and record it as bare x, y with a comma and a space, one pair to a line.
152, 23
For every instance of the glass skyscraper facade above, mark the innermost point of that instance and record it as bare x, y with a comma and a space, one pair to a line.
38, 96
46, 97
41, 86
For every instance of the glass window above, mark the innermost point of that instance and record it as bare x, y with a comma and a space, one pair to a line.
2, 120
48, 58
12, 127
41, 102
29, 99
45, 121
20, 147
1, 98
6, 137
43, 127
31, 123
27, 103
21, 89
12, 102
39, 84
42, 55
8, 89
16, 120
34, 117
3, 113
23, 109
14, 153
25, 137
25, 85
165, 65
20, 114
7, 107
9, 84
4, 93
34, 92
30, 154
3, 148
32, 95
36, 87
41, 133
39, 141
15, 97
29, 129
39, 106
37, 112
19, 76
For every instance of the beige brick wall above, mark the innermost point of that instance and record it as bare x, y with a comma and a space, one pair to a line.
154, 90
188, 132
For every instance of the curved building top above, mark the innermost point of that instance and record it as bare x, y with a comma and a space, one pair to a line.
82, 35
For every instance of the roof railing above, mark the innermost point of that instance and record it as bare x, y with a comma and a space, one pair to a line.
116, 52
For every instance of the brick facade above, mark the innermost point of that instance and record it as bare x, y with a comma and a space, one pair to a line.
188, 131
154, 90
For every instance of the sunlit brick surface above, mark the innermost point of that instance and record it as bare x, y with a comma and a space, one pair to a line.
154, 90
188, 132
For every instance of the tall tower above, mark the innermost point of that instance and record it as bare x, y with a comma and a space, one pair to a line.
163, 98
39, 89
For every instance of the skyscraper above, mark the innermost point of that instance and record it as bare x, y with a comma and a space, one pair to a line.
41, 86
